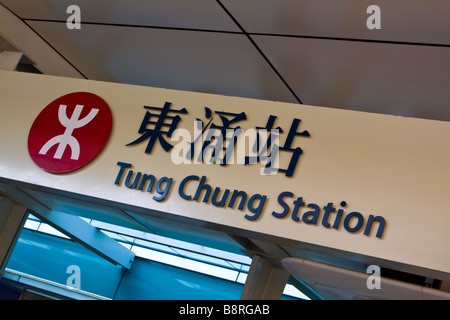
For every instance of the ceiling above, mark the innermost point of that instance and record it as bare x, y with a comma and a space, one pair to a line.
315, 52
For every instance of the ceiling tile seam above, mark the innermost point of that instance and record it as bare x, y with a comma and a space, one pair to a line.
110, 24
259, 51
57, 51
409, 43
42, 38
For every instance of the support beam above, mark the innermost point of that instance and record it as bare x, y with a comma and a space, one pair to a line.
12, 219
27, 41
9, 60
74, 227
89, 237
264, 281
445, 286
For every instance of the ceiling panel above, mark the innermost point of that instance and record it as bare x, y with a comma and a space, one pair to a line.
401, 20
211, 62
383, 78
6, 46
196, 14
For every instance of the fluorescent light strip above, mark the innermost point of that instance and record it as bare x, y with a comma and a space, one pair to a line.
185, 263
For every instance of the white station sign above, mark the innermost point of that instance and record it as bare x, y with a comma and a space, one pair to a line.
370, 184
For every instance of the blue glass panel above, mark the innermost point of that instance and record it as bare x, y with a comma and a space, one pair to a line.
48, 257
151, 280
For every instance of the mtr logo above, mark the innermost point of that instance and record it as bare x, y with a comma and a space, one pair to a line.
70, 132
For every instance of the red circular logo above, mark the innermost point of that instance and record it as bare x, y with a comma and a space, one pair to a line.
70, 132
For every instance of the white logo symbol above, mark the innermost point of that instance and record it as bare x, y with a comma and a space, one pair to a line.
67, 139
